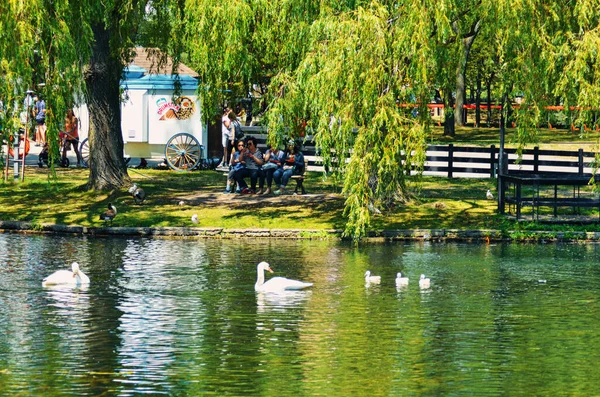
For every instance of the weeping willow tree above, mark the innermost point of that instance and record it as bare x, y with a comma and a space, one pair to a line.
44, 60
82, 49
547, 52
346, 69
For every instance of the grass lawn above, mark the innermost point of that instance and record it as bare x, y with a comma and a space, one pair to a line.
66, 202
550, 139
438, 203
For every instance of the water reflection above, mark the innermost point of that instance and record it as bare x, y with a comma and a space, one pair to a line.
181, 317
281, 301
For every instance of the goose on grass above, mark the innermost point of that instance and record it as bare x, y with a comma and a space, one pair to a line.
109, 214
138, 194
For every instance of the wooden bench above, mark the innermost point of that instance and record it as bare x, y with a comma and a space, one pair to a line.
300, 179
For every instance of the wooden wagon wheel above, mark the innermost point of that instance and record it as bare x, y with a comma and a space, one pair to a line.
183, 152
84, 150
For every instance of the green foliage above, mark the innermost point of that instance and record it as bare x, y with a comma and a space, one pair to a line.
342, 68
51, 47
336, 69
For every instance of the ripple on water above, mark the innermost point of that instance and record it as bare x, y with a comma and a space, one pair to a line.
181, 317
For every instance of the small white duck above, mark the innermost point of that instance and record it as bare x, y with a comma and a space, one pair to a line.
275, 284
489, 195
66, 277
372, 279
401, 281
424, 283
195, 219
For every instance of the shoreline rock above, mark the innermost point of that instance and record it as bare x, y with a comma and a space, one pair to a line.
374, 236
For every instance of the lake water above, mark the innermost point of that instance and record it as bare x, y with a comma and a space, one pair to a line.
181, 318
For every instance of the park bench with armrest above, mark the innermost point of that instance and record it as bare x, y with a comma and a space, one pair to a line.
300, 179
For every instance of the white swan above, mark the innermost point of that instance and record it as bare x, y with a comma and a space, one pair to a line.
66, 277
424, 282
276, 283
372, 279
401, 281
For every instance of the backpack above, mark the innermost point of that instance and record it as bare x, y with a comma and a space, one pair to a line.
237, 128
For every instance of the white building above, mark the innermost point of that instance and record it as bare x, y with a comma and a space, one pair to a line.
150, 115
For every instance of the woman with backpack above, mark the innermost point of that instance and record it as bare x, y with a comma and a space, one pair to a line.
227, 136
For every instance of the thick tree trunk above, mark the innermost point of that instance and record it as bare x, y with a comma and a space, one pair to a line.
107, 166
461, 70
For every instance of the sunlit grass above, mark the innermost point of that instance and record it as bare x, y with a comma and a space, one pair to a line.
66, 201
436, 203
550, 139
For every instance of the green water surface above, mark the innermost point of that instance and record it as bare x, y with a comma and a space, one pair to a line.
181, 318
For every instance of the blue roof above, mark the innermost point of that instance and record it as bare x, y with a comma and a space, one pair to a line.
136, 79
134, 72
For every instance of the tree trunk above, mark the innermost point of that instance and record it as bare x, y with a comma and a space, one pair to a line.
489, 101
478, 102
448, 114
107, 166
461, 70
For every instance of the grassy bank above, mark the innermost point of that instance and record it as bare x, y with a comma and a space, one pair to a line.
438, 203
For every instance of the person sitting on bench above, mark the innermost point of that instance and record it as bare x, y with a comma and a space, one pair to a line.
235, 165
273, 162
293, 164
253, 159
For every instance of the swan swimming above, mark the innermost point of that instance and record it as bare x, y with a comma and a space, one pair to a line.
401, 281
372, 279
276, 283
424, 282
66, 277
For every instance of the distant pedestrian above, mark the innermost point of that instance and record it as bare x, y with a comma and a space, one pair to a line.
227, 137
40, 119
71, 136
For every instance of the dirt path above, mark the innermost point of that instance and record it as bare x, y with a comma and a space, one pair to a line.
253, 200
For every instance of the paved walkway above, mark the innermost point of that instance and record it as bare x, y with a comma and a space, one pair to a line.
32, 157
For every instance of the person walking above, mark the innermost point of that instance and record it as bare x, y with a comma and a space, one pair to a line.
71, 136
40, 120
